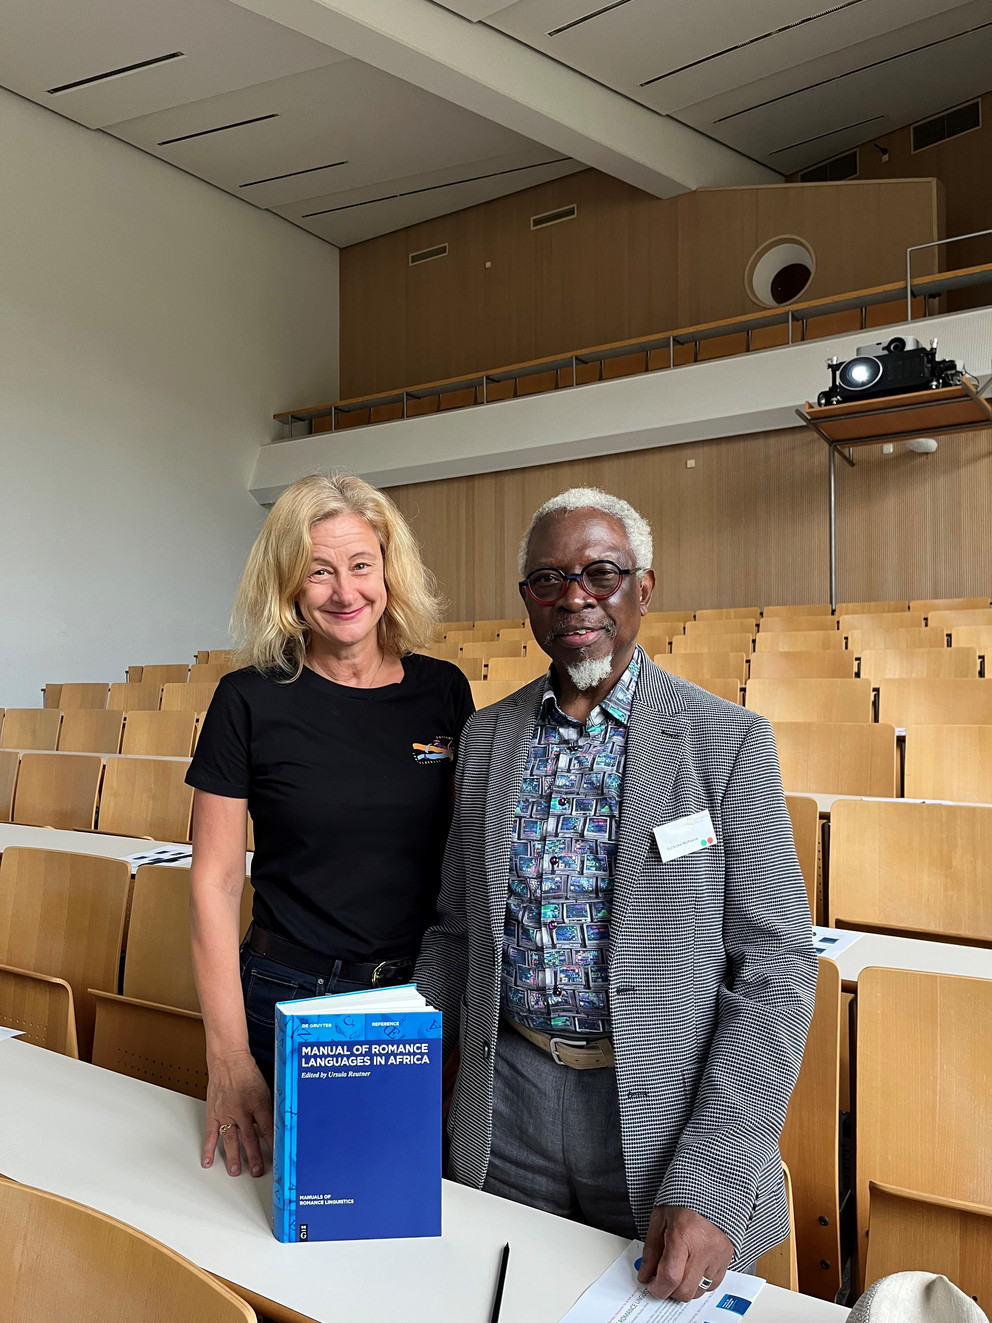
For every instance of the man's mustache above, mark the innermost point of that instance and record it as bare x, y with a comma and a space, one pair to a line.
574, 626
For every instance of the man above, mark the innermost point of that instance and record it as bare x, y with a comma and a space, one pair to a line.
631, 1003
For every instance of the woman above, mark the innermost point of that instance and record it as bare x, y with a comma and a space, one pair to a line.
339, 740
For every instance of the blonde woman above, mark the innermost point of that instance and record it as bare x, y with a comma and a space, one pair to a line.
338, 738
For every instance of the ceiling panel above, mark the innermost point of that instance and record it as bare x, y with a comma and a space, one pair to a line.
311, 120
49, 43
349, 217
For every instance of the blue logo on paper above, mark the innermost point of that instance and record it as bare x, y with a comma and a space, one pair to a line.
735, 1303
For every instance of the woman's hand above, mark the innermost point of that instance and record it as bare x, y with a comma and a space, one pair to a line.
239, 1108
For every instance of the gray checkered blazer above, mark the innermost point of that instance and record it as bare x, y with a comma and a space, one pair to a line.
712, 969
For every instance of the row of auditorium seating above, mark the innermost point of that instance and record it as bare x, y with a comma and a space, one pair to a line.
168, 734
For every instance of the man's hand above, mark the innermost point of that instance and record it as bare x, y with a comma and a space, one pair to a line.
680, 1249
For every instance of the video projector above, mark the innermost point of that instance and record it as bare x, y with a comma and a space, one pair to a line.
899, 365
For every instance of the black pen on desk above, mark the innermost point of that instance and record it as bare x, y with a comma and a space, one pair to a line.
504, 1259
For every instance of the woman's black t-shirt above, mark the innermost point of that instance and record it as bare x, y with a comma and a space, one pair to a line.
349, 792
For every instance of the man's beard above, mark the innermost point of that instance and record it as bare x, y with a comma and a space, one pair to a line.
590, 673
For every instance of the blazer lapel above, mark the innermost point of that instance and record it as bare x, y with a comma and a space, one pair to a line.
656, 739
511, 743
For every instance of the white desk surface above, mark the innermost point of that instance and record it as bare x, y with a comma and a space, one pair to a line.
826, 801
88, 842
131, 1150
83, 753
874, 949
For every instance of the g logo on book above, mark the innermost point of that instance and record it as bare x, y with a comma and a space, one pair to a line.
303, 1231
441, 749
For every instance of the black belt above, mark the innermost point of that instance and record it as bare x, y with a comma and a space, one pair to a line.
376, 973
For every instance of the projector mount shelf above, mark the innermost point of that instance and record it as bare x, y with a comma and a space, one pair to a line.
958, 408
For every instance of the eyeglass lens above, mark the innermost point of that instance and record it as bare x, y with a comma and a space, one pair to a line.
600, 579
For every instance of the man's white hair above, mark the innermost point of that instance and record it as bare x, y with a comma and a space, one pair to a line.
637, 528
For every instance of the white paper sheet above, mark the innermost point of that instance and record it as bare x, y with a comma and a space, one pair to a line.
831, 941
161, 854
9, 1033
616, 1297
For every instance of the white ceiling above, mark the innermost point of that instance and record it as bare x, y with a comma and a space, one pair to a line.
786, 82
351, 144
346, 137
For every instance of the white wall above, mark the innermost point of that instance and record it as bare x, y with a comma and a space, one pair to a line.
149, 327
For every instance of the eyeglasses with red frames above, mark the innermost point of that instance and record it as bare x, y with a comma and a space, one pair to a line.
600, 579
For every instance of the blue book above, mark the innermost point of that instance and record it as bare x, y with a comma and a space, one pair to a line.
357, 1117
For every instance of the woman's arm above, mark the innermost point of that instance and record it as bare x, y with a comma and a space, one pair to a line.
236, 1092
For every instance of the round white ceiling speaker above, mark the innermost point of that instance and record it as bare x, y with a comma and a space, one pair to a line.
922, 445
779, 271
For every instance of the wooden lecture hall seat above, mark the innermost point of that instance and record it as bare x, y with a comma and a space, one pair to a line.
938, 702
91, 730
816, 665
796, 624
811, 700
473, 668
10, 761
159, 734
854, 758
949, 762
31, 728
859, 640
135, 697
58, 790
919, 663
916, 869
84, 695
40, 1007
699, 666
187, 697
146, 797
818, 609
804, 640
63, 914
924, 1115
493, 648
739, 642
521, 670
63, 1260
172, 673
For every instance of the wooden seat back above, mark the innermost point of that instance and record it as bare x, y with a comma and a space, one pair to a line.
937, 702
63, 914
159, 734
811, 1141
945, 621
212, 655
924, 1107
750, 613
873, 608
492, 648
720, 625
665, 618
41, 1007
928, 604
473, 668
713, 643
947, 1236
801, 640
135, 697
187, 697
162, 1045
880, 620
515, 634
795, 624
443, 651
658, 638
779, 1265
700, 666
31, 728
487, 692
481, 635
828, 665
519, 669
172, 673
949, 762
974, 636
805, 818
146, 797
511, 622
10, 761
916, 869
815, 609
84, 695
58, 790
860, 640
850, 758
210, 672
91, 730
811, 700
918, 663
117, 1273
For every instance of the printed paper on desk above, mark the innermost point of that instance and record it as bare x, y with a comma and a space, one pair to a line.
685, 835
832, 941
616, 1297
9, 1033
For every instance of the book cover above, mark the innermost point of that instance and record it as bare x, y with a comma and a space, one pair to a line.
357, 1152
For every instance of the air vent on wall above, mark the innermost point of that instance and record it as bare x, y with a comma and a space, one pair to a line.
950, 124
553, 217
841, 167
429, 254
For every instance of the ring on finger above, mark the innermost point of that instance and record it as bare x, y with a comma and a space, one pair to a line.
230, 1125
705, 1283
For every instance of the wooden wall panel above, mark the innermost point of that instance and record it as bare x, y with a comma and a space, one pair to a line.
609, 274
747, 524
858, 232
964, 167
630, 264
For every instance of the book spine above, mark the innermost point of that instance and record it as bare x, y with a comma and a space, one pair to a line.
286, 1111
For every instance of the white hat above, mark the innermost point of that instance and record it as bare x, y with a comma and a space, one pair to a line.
915, 1297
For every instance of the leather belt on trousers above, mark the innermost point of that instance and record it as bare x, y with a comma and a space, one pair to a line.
574, 1053
376, 973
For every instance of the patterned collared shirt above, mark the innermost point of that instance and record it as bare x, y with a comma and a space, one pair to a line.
557, 933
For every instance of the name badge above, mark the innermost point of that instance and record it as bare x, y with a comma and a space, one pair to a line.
685, 835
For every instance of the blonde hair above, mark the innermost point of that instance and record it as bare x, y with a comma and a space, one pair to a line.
265, 623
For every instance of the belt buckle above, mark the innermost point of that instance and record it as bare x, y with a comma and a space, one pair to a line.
379, 971
553, 1048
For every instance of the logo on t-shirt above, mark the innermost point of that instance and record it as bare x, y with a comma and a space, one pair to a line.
441, 749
